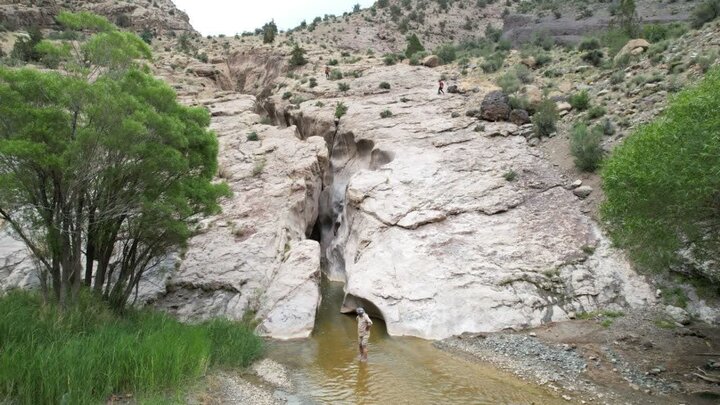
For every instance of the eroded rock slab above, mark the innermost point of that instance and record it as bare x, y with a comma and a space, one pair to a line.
254, 257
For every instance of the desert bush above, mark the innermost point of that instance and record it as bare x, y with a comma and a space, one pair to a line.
340, 110
253, 136
586, 147
385, 85
297, 56
594, 57
343, 86
446, 52
509, 83
617, 77
580, 101
493, 63
386, 114
596, 112
313, 82
336, 74
524, 74
545, 118
589, 44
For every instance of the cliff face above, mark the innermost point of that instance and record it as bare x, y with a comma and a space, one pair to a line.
159, 16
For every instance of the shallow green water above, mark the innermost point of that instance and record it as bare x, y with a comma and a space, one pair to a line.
399, 370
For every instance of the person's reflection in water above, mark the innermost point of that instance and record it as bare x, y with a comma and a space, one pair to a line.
362, 390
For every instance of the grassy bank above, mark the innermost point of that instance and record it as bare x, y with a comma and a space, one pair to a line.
88, 353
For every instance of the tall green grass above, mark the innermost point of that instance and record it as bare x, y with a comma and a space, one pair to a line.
86, 354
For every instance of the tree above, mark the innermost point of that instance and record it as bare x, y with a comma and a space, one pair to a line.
101, 170
626, 18
269, 31
298, 56
662, 186
413, 46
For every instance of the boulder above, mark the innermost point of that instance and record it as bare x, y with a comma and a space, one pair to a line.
583, 191
529, 62
633, 47
519, 117
564, 106
678, 314
534, 95
431, 61
495, 106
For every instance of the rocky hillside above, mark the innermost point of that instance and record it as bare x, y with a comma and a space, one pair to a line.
158, 16
443, 214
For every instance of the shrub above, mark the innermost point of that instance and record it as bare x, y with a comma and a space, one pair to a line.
596, 112
253, 136
493, 63
89, 353
508, 82
545, 118
510, 175
336, 74
446, 52
660, 196
24, 48
385, 85
340, 110
343, 86
390, 59
580, 101
586, 148
705, 12
594, 57
661, 32
705, 61
524, 74
617, 77
313, 82
286, 95
589, 44
333, 62
386, 114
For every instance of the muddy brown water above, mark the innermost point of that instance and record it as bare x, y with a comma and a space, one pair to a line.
399, 370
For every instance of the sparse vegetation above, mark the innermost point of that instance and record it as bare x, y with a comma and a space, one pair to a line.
386, 114
384, 85
343, 86
705, 12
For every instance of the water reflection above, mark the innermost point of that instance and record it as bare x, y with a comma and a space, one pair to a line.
399, 370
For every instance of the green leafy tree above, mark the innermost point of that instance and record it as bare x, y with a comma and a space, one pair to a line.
413, 46
101, 170
663, 185
269, 31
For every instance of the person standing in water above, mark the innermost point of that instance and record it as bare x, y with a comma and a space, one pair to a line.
364, 324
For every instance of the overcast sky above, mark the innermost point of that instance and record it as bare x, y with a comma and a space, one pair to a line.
229, 17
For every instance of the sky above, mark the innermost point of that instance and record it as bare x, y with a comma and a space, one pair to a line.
230, 17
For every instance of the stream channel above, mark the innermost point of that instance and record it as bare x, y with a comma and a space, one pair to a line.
400, 370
